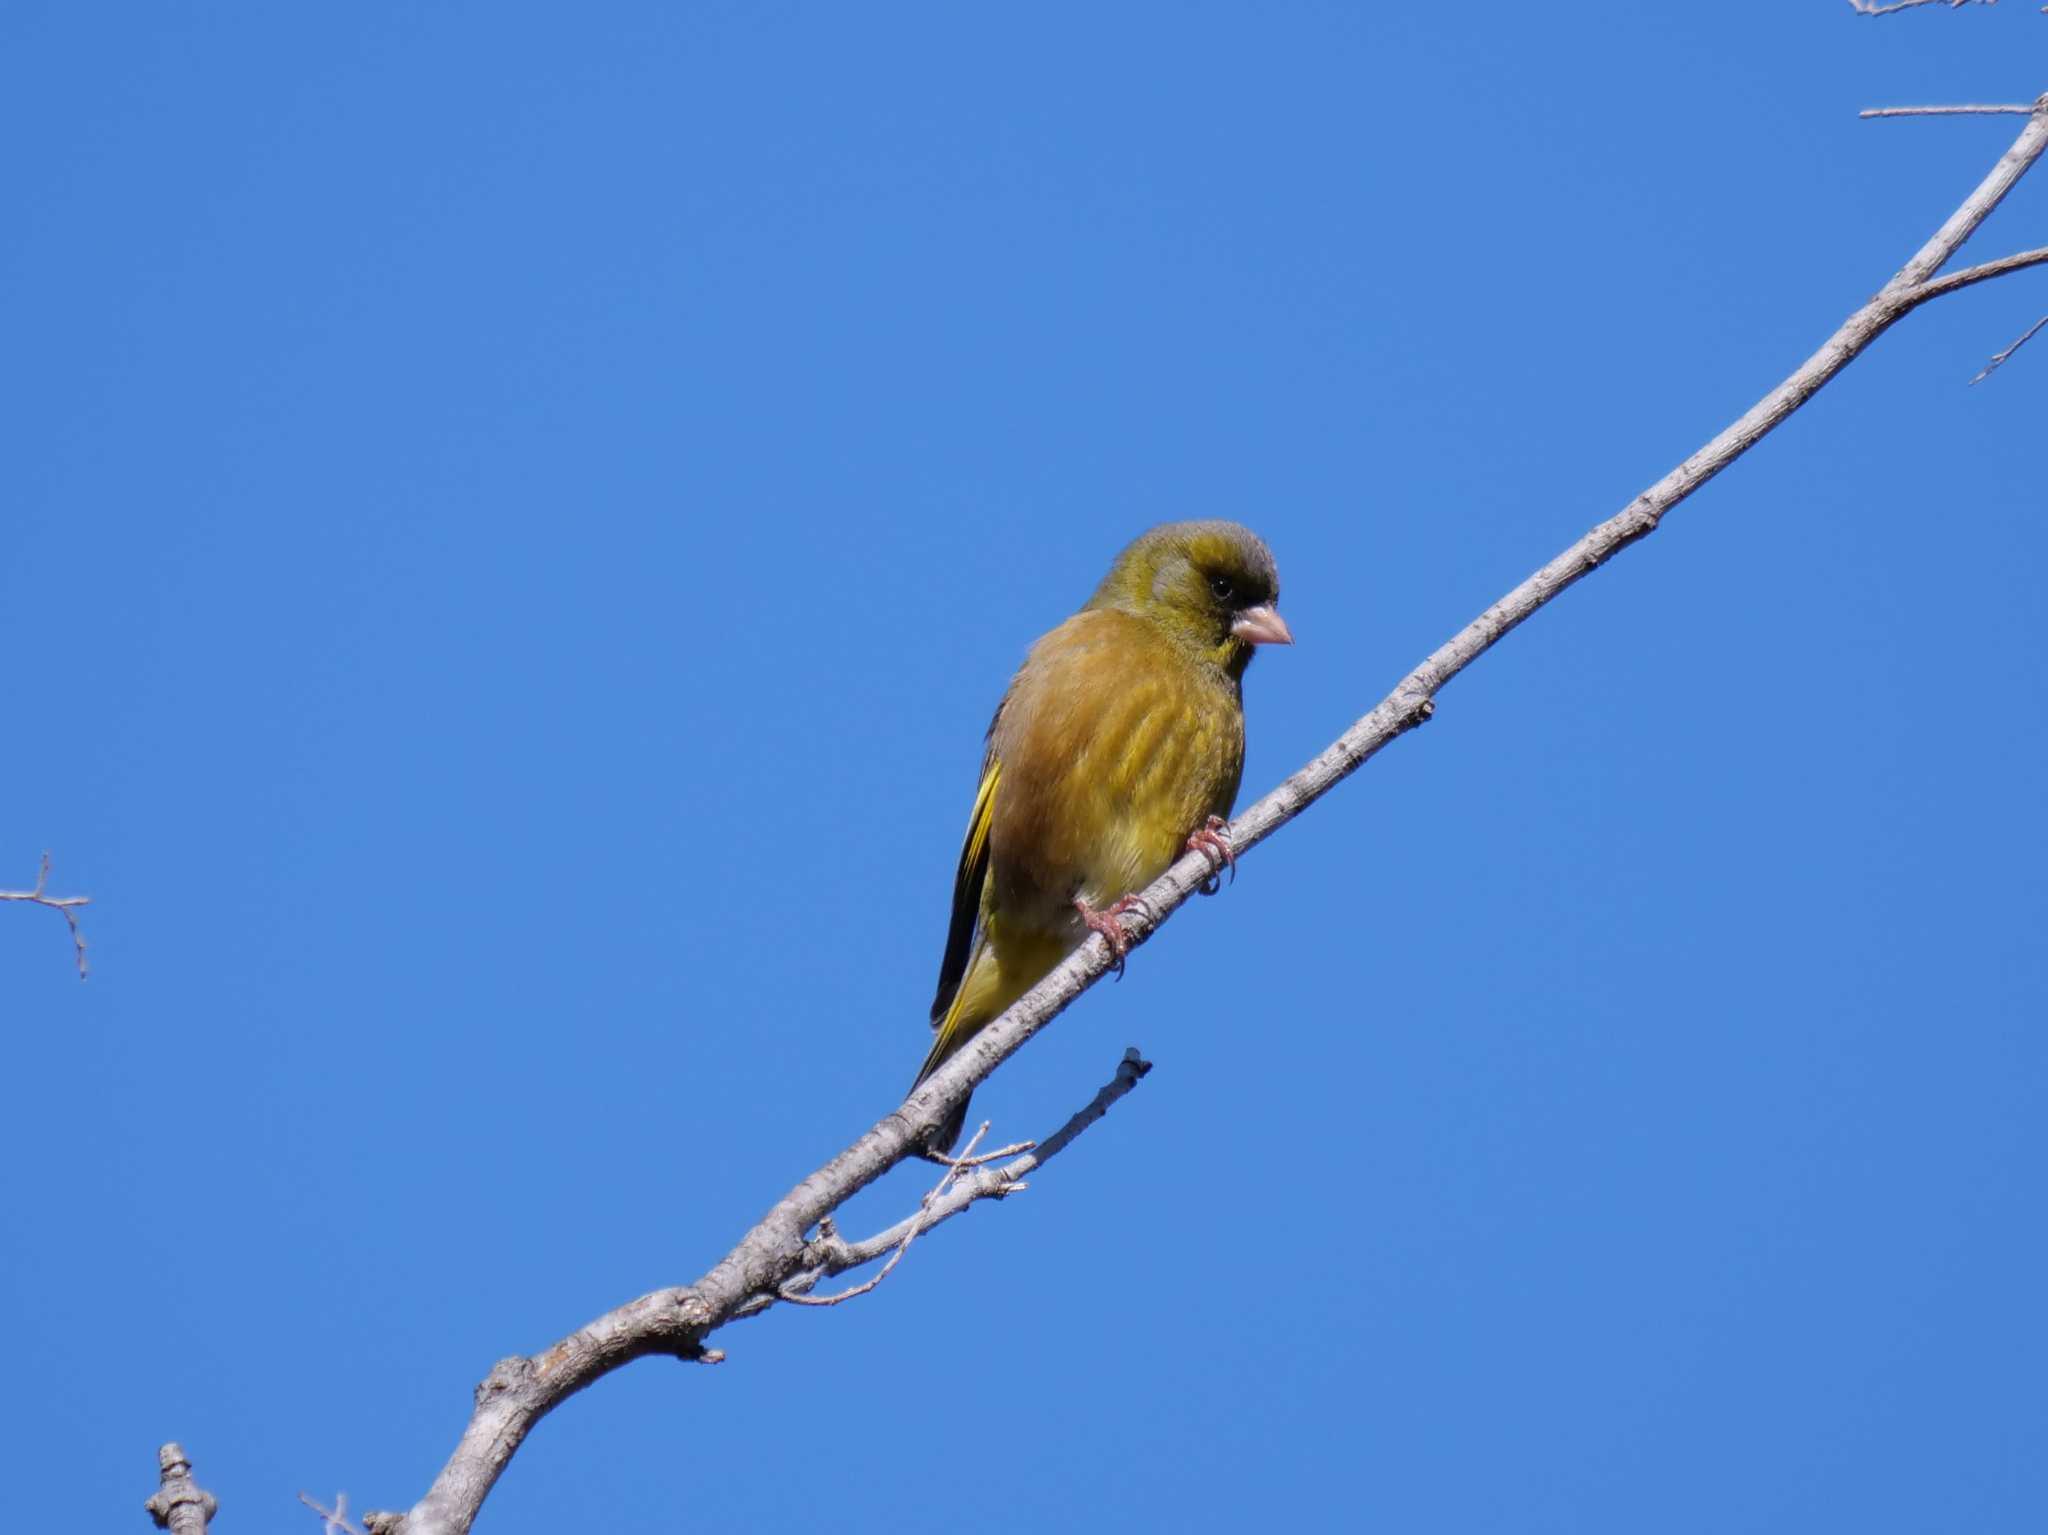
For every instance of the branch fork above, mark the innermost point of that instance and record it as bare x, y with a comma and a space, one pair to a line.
66, 906
837, 1255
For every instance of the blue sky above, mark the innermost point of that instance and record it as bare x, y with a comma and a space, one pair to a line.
518, 519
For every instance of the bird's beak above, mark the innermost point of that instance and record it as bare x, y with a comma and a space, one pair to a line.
1262, 626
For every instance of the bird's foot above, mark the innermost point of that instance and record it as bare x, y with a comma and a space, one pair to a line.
1105, 922
1212, 838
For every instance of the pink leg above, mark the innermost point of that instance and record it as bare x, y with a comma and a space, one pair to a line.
1105, 922
1213, 838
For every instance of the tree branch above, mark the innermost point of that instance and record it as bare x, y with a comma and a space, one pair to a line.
835, 1255
1999, 358
1977, 207
1871, 8
179, 1504
64, 906
519, 1392
1968, 111
1978, 273
776, 1254
797, 1292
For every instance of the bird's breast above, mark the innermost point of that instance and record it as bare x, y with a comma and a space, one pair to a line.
1114, 747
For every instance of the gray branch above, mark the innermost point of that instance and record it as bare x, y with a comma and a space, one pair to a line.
1872, 8
1979, 273
1998, 358
65, 906
179, 1504
1964, 111
779, 1253
834, 1255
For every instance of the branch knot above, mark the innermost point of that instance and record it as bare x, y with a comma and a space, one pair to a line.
506, 1375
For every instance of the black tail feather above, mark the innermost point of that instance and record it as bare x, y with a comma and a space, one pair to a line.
947, 1136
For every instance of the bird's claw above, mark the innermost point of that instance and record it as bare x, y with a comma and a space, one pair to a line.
1212, 839
1105, 922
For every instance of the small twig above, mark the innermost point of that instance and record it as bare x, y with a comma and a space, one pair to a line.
63, 905
1871, 8
1992, 366
1963, 111
833, 1254
335, 1520
919, 1223
1015, 1148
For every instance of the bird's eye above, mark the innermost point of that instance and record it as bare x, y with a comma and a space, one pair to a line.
1221, 586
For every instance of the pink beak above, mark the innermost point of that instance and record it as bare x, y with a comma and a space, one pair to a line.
1262, 626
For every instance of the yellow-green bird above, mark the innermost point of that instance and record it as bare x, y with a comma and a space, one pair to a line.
1119, 744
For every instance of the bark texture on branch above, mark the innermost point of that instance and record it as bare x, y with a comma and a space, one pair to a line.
1875, 8
179, 1504
779, 1252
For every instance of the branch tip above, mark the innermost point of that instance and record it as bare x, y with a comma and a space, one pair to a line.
1970, 110
1998, 360
1873, 8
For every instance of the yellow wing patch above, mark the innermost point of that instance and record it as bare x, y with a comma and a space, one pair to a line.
980, 819
968, 886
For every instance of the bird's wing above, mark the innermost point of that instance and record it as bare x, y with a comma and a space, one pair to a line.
968, 885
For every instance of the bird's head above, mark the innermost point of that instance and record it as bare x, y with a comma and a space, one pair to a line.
1211, 585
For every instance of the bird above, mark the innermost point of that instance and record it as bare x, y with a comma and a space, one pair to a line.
1118, 745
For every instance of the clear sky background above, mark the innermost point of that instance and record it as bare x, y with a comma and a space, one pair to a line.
516, 519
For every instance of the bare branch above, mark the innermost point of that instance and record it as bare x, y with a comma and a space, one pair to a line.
63, 905
1983, 270
1965, 111
1997, 360
675, 1322
1978, 206
179, 1504
1871, 8
1011, 1150
835, 1255
519, 1392
918, 1223
1926, 290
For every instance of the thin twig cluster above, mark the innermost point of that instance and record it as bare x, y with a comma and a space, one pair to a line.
828, 1253
1998, 358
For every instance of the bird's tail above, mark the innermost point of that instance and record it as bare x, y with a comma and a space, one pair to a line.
997, 976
